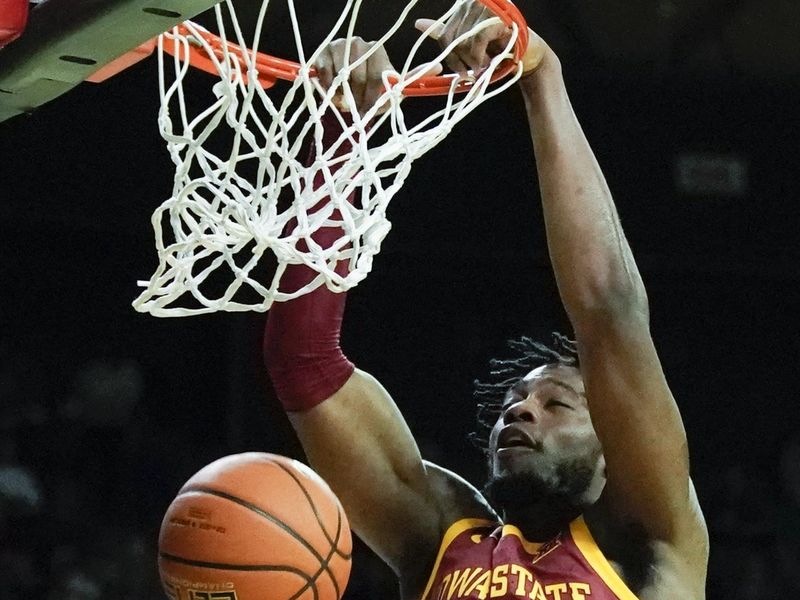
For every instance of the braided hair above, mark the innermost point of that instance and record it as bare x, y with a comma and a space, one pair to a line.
505, 372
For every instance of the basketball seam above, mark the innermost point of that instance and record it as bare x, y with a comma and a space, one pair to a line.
324, 565
229, 567
310, 500
259, 511
310, 582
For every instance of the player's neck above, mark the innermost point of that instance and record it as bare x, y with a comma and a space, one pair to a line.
541, 522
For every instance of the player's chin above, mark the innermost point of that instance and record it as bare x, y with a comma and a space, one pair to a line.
515, 458
513, 486
511, 451
514, 462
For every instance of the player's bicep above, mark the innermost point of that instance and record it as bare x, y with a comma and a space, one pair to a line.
358, 441
640, 429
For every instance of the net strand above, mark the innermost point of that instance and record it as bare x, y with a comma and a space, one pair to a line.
228, 214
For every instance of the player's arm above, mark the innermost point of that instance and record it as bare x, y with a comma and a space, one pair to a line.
400, 505
632, 408
355, 437
358, 441
352, 432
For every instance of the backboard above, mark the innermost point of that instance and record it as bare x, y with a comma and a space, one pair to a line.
67, 42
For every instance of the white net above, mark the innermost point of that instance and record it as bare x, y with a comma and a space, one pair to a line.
227, 233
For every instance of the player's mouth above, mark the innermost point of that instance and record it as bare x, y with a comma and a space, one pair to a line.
513, 437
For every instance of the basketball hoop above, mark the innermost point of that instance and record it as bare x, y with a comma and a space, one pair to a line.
226, 213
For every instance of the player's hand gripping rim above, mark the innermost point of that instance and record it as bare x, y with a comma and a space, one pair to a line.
368, 61
476, 52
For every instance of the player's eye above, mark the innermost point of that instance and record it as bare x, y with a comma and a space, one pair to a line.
558, 403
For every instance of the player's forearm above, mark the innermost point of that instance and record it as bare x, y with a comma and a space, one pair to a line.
592, 260
301, 340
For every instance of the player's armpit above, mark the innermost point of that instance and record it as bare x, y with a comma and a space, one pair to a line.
640, 428
358, 441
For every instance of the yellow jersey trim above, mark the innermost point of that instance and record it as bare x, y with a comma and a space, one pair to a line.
588, 547
530, 547
452, 533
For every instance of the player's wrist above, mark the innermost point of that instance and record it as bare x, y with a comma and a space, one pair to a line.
545, 74
535, 53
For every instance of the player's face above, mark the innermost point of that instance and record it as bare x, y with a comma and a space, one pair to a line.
543, 441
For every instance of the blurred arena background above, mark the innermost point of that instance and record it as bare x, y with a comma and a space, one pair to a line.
691, 107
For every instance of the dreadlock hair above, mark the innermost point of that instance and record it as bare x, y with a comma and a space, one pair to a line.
505, 372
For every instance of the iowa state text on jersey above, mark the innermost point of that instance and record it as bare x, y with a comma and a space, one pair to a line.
505, 581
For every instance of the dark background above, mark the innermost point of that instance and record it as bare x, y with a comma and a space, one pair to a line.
464, 268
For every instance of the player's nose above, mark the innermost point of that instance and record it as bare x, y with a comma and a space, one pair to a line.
519, 411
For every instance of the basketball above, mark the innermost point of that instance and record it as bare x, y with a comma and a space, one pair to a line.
255, 526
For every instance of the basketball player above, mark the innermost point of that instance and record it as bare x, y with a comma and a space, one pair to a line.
589, 495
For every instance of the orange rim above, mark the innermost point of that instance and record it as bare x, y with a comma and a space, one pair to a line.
270, 68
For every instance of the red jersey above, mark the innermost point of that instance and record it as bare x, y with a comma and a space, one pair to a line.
480, 559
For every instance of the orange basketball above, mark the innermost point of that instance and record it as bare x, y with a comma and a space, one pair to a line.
255, 526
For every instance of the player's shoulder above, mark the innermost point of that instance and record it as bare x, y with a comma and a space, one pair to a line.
456, 497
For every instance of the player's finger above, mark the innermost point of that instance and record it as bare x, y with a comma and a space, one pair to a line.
427, 70
487, 43
338, 49
378, 64
499, 34
456, 64
372, 90
358, 75
477, 11
475, 55
460, 59
432, 28
324, 68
